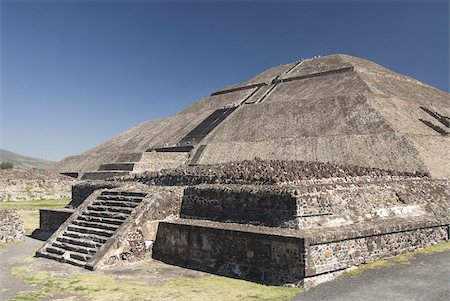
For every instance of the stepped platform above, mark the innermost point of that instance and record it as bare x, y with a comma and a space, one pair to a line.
284, 256
103, 175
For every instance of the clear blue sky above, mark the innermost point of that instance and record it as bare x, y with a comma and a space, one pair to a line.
75, 73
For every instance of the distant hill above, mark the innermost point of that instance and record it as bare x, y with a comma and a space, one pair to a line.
24, 161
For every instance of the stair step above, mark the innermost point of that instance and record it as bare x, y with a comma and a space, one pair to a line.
74, 248
55, 251
129, 157
111, 221
109, 209
80, 257
103, 175
95, 225
125, 193
78, 242
87, 230
124, 166
105, 214
82, 236
72, 261
115, 204
119, 198
46, 254
59, 254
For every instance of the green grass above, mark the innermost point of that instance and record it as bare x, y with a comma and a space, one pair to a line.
99, 286
29, 210
36, 204
400, 259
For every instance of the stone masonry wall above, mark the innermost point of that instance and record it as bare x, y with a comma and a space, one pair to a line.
257, 171
29, 184
11, 226
49, 221
82, 190
253, 256
339, 255
270, 206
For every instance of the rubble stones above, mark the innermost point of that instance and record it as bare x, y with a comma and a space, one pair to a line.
11, 228
30, 184
257, 171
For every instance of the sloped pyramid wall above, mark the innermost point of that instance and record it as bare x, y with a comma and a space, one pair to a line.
337, 109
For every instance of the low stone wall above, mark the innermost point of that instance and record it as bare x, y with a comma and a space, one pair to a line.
338, 255
49, 222
269, 206
260, 257
11, 228
18, 185
82, 190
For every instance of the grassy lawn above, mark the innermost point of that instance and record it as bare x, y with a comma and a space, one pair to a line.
29, 210
100, 286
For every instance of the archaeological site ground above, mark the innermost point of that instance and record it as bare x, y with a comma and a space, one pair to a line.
305, 170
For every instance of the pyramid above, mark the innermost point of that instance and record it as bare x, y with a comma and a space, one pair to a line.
335, 109
305, 170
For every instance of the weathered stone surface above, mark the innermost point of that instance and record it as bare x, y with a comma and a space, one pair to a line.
307, 168
338, 109
259, 172
30, 184
248, 255
82, 190
11, 228
49, 221
342, 254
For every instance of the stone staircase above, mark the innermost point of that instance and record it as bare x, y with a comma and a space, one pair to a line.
122, 167
89, 231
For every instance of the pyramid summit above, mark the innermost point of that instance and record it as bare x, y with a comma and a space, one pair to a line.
337, 108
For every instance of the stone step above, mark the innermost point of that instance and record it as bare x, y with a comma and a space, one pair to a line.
129, 157
88, 230
109, 209
83, 236
105, 214
125, 166
95, 225
111, 221
73, 248
55, 251
103, 175
115, 204
119, 198
125, 193
59, 252
80, 257
83, 243
72, 261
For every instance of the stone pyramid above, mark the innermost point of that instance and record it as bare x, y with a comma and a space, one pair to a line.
338, 109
